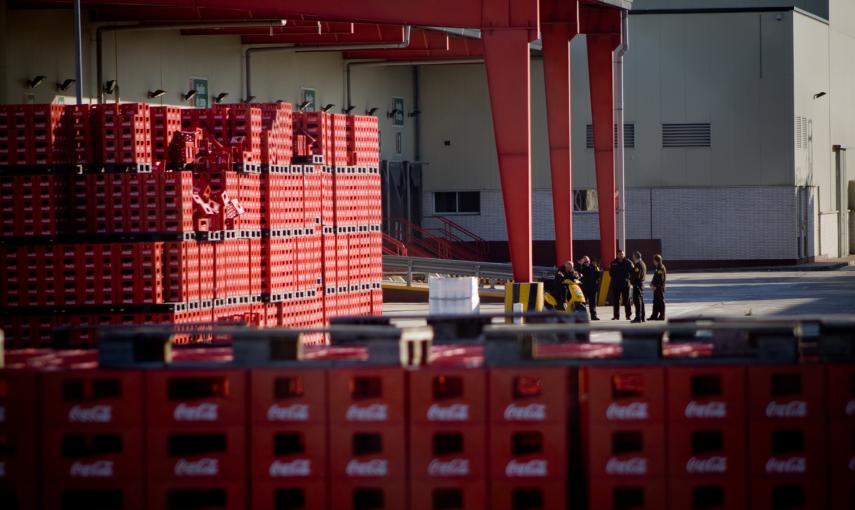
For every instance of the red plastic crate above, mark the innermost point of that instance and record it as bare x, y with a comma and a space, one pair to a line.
380, 495
841, 390
708, 493
366, 394
786, 392
165, 122
431, 494
92, 398
528, 452
842, 450
842, 493
625, 451
121, 495
794, 494
222, 495
368, 451
294, 493
623, 394
528, 395
445, 451
106, 454
196, 453
447, 396
787, 449
288, 396
289, 452
641, 494
514, 494
187, 397
706, 394
705, 451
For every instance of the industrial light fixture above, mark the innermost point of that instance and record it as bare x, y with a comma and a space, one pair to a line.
818, 95
189, 95
393, 113
152, 94
249, 99
110, 86
348, 109
302, 106
371, 111
414, 113
327, 107
65, 84
36, 81
219, 97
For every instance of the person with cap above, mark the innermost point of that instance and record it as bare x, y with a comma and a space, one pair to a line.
590, 278
637, 280
658, 286
620, 272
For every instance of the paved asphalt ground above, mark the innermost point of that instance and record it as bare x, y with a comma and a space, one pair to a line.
734, 294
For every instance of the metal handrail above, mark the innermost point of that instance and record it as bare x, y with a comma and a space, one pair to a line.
448, 225
497, 271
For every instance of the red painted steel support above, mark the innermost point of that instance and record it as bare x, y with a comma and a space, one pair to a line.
601, 76
559, 25
506, 55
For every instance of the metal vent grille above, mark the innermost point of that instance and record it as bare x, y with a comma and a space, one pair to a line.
798, 134
802, 134
628, 136
686, 135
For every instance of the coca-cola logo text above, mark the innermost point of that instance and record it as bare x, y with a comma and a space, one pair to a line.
453, 467
794, 409
97, 469
298, 467
201, 467
294, 412
531, 468
531, 412
373, 412
633, 466
710, 465
2, 470
850, 409
706, 410
454, 412
2, 414
633, 411
374, 467
791, 465
852, 464
94, 414
200, 412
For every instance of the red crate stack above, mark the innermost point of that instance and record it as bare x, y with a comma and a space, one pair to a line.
92, 439
165, 122
528, 436
317, 128
448, 424
288, 450
278, 264
707, 437
45, 142
33, 204
17, 118
309, 261
367, 451
282, 199
312, 196
245, 132
277, 134
182, 271
7, 135
196, 438
19, 436
623, 430
339, 140
79, 134
786, 437
363, 141
840, 381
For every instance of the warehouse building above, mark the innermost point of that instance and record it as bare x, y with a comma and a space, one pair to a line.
738, 116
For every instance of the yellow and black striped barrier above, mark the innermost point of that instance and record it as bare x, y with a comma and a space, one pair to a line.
530, 295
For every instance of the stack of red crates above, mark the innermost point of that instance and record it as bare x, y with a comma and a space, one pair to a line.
32, 135
841, 416
92, 439
165, 122
19, 429
317, 127
245, 131
276, 135
125, 135
787, 460
363, 141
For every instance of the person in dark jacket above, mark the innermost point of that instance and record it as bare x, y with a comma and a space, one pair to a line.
620, 271
559, 288
590, 277
658, 286
637, 280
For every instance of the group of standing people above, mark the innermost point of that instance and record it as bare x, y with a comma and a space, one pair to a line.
624, 274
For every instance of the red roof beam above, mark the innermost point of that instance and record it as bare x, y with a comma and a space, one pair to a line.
458, 48
307, 28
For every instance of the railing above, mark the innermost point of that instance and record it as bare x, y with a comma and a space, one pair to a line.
392, 246
453, 231
408, 267
421, 241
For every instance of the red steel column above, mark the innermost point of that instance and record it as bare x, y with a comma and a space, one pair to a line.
601, 76
556, 75
506, 55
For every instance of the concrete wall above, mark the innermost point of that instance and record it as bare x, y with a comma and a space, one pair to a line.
41, 42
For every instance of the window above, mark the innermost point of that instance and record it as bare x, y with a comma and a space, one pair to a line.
686, 135
628, 136
457, 202
584, 200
